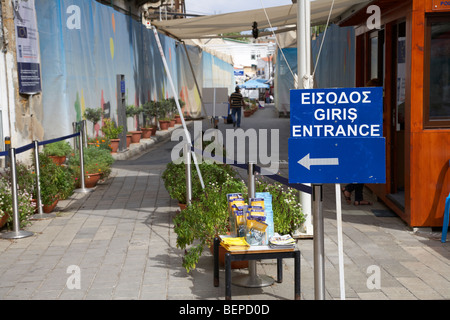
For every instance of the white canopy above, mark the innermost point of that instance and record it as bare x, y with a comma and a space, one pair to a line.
280, 17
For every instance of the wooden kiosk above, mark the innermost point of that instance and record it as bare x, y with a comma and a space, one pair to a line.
410, 53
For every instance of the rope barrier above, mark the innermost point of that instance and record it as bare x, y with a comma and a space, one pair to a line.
43, 143
17, 233
59, 139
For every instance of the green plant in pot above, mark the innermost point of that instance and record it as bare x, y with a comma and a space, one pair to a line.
174, 177
58, 151
94, 115
55, 181
132, 111
150, 111
112, 132
203, 220
96, 161
287, 210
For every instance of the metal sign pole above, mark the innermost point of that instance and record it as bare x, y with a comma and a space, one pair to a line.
319, 251
16, 233
340, 241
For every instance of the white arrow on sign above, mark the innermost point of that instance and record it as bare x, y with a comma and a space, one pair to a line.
307, 162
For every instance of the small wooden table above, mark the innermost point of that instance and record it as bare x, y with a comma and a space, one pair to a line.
257, 253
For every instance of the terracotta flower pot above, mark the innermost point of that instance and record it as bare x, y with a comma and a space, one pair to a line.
172, 123
114, 145
91, 179
247, 113
47, 208
178, 119
128, 140
59, 160
146, 133
4, 220
154, 128
164, 124
136, 136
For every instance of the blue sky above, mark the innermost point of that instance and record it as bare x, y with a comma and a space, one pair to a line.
208, 7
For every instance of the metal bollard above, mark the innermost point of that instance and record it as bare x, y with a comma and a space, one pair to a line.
16, 233
187, 161
74, 127
40, 215
84, 126
7, 148
83, 188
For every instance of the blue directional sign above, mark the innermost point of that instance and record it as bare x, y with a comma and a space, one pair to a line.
340, 160
337, 136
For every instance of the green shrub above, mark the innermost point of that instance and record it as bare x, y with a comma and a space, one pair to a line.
59, 149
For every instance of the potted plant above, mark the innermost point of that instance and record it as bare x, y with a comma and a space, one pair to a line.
206, 218
129, 135
135, 136
97, 165
51, 179
247, 111
172, 110
177, 116
132, 111
150, 110
58, 151
163, 110
174, 178
287, 212
93, 115
111, 132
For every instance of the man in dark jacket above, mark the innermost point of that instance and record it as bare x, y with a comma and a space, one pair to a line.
236, 103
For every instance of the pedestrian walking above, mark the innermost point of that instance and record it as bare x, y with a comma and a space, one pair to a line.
236, 103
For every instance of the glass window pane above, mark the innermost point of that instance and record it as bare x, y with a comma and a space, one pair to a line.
440, 70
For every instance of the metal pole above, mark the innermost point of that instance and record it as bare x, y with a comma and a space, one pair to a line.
74, 127
319, 251
16, 233
83, 188
252, 280
85, 135
175, 94
340, 241
187, 161
304, 68
40, 215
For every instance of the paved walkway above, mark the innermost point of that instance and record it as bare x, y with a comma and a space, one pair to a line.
119, 242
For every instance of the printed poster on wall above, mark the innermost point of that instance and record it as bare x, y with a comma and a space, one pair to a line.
27, 46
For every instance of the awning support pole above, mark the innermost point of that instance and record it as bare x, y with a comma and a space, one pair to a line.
175, 94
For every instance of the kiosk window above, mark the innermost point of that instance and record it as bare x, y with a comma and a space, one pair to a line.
437, 90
